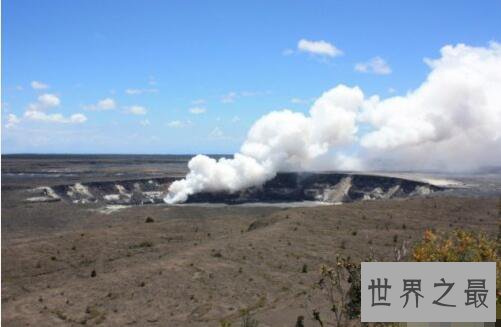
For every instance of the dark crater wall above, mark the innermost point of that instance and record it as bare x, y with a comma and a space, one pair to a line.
285, 187
328, 187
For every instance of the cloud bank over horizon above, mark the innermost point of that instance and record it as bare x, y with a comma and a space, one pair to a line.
452, 121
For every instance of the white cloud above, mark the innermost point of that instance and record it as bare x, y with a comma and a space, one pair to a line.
176, 124
287, 52
235, 119
106, 104
216, 133
140, 91
451, 121
78, 118
197, 110
376, 65
198, 102
44, 101
49, 100
55, 118
37, 111
229, 98
144, 122
39, 85
12, 120
137, 110
321, 48
249, 93
133, 91
300, 101
102, 105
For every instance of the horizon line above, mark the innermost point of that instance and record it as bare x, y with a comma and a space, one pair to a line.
112, 153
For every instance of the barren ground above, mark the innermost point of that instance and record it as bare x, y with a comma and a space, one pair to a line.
195, 266
67, 264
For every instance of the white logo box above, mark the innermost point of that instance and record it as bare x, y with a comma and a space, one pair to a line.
466, 276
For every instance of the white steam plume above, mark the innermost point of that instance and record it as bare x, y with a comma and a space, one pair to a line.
451, 121
280, 140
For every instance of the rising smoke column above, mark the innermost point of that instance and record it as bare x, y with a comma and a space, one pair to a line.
280, 140
452, 121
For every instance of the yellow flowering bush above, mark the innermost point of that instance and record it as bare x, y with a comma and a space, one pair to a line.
459, 245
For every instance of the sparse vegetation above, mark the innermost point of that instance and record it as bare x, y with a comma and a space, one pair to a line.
400, 253
144, 244
460, 245
340, 285
216, 253
300, 321
248, 320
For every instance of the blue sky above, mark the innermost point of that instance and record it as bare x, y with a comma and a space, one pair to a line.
192, 76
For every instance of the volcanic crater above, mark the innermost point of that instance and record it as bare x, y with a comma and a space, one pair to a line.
284, 187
